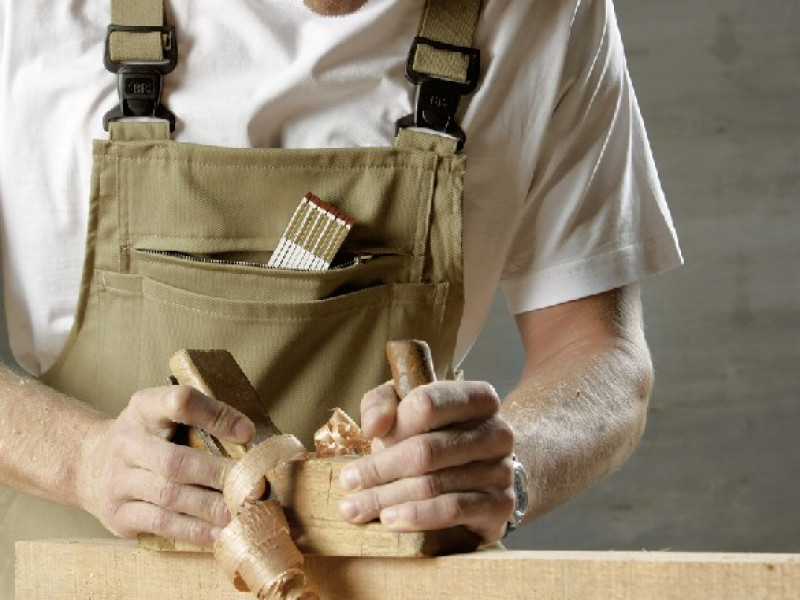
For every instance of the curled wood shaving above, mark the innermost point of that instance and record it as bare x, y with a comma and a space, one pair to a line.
256, 549
341, 436
247, 480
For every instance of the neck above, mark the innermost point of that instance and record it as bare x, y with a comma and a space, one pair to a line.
334, 7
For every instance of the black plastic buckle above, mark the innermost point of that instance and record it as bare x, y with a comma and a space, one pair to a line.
437, 99
140, 82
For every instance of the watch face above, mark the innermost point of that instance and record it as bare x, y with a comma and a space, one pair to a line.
520, 490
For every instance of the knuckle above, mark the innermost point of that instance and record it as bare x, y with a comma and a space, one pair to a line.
178, 402
501, 434
504, 472
223, 417
110, 514
364, 473
431, 486
423, 402
488, 395
422, 454
369, 503
452, 509
158, 522
167, 493
507, 502
383, 394
219, 511
370, 474
137, 407
222, 468
121, 528
196, 532
174, 463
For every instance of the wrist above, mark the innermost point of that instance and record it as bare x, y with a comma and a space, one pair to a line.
86, 471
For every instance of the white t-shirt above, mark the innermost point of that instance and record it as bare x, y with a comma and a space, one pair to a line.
562, 196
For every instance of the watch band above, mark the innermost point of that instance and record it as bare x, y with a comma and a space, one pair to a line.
521, 481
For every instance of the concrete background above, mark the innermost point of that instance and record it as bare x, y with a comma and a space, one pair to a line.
719, 466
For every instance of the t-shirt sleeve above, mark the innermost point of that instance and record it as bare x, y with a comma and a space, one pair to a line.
595, 217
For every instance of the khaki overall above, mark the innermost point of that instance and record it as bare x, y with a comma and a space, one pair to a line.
177, 234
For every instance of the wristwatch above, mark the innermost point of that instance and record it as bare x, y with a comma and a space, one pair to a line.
521, 493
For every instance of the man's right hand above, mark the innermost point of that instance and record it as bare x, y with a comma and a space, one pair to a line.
133, 479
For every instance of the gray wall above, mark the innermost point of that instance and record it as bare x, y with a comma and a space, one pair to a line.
719, 466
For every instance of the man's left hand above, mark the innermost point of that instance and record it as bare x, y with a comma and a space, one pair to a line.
441, 457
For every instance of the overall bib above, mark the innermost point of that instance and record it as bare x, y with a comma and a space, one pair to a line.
180, 234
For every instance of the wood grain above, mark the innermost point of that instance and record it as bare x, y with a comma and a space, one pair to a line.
411, 364
310, 493
116, 570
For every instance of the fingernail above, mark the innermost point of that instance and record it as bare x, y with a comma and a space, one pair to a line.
348, 509
388, 516
349, 479
243, 430
215, 531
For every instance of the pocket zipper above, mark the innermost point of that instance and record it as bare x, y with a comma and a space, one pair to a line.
355, 260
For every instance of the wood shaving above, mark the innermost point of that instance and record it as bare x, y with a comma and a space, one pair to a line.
247, 480
341, 436
256, 549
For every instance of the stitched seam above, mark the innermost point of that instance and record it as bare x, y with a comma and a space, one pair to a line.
387, 303
603, 258
331, 313
270, 167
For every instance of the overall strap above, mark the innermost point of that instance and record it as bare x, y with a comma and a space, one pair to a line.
140, 49
447, 23
146, 45
444, 66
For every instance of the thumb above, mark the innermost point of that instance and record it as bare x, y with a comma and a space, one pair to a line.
185, 404
225, 422
379, 411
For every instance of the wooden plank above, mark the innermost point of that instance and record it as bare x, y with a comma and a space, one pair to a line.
120, 570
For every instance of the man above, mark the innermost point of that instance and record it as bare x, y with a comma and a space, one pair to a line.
562, 206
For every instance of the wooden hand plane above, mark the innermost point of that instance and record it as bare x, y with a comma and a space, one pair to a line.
309, 490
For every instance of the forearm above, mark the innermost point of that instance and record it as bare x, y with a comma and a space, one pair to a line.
577, 416
42, 437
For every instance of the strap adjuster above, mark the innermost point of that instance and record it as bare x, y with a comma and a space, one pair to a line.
437, 98
139, 83
473, 65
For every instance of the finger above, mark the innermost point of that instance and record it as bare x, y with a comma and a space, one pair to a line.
491, 440
441, 404
366, 505
191, 500
180, 464
143, 517
378, 410
483, 513
160, 408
